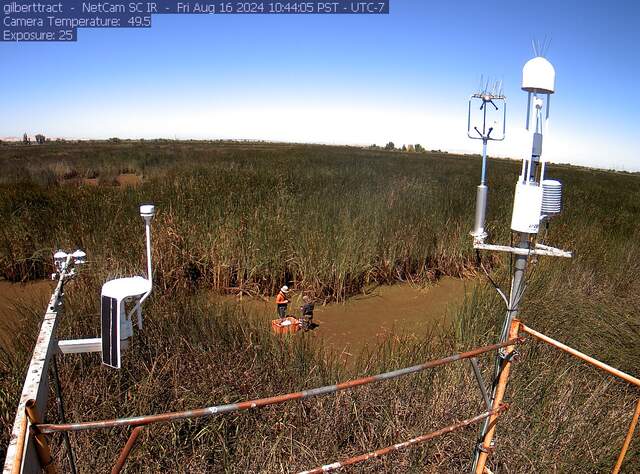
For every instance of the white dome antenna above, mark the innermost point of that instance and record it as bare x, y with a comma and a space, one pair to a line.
539, 76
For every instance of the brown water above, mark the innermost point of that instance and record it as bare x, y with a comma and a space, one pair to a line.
123, 180
400, 309
128, 179
33, 295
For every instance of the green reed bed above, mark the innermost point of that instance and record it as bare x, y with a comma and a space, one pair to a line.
249, 217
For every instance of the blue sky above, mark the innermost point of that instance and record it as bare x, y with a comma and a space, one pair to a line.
338, 79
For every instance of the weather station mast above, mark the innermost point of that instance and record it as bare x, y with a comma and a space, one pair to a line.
495, 98
536, 200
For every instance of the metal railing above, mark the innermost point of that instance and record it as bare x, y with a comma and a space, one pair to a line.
607, 368
405, 444
514, 330
140, 421
22, 450
28, 450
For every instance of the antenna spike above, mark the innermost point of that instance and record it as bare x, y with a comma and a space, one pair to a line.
548, 45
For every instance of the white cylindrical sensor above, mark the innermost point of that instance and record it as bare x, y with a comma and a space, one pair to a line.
60, 259
147, 210
481, 212
79, 256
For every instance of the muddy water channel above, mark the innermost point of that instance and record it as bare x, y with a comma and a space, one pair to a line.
366, 319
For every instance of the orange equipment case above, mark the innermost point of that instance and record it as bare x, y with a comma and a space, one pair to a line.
278, 328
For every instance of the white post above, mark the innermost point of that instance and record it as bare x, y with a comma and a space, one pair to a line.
147, 212
148, 230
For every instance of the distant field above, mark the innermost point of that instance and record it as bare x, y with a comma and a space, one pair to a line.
330, 221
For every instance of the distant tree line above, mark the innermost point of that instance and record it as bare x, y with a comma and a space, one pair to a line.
40, 139
417, 148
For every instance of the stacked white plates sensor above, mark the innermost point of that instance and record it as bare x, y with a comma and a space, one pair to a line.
551, 197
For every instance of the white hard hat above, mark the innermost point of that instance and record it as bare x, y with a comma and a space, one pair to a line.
285, 289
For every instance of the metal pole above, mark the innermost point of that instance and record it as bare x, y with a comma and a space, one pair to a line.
627, 439
487, 446
517, 290
60, 403
122, 459
148, 242
17, 461
47, 463
483, 389
590, 360
484, 118
478, 232
483, 176
518, 286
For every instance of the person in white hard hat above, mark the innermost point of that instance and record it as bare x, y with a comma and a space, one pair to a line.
282, 301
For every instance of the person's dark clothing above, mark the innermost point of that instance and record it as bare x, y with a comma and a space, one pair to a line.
307, 316
307, 310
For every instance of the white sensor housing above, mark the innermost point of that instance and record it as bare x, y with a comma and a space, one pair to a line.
79, 257
539, 76
60, 256
551, 197
147, 211
59, 260
527, 207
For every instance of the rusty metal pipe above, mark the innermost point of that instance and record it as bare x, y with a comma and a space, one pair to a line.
601, 365
17, 461
128, 447
627, 439
61, 415
47, 463
497, 400
396, 447
247, 405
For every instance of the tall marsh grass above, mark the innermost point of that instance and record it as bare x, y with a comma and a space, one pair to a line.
329, 220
